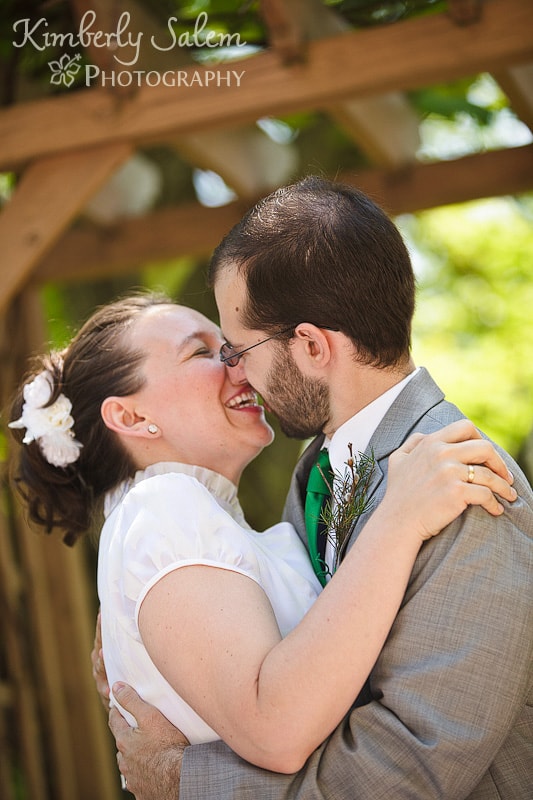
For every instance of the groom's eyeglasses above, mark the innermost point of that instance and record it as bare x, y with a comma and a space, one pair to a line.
229, 357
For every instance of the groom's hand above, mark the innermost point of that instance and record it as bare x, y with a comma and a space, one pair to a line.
149, 756
97, 660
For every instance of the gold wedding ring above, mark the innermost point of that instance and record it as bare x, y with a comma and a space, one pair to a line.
471, 474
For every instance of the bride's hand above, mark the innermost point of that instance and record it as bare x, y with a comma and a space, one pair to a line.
434, 477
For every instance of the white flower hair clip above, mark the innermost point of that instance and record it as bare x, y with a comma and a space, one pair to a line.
50, 427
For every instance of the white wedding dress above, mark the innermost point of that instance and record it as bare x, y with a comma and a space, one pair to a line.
173, 515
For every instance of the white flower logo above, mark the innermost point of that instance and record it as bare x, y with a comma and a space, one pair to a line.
65, 70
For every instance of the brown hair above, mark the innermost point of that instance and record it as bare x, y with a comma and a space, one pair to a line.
97, 363
322, 252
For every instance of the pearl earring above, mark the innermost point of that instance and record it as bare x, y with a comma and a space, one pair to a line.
153, 428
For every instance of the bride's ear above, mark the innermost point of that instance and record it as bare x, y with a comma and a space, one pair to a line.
119, 415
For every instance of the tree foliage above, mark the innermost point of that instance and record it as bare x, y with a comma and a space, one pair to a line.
473, 322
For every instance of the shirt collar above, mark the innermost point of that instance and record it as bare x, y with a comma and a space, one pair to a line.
358, 430
220, 487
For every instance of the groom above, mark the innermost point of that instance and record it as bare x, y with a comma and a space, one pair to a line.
316, 296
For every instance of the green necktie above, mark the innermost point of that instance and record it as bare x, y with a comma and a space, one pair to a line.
318, 492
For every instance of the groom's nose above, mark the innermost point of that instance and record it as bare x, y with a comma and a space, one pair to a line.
236, 374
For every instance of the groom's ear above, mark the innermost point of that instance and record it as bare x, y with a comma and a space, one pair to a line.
312, 347
119, 415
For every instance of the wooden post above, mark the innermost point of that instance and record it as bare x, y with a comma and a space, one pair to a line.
64, 749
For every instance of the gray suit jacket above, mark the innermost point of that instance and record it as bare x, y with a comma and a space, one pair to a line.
447, 711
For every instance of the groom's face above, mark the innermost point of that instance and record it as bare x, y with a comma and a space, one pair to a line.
300, 403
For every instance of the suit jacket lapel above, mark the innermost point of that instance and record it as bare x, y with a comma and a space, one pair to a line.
419, 396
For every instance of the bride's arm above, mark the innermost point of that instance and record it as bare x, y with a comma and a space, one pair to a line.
213, 635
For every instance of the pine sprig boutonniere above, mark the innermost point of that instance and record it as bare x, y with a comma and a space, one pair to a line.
348, 497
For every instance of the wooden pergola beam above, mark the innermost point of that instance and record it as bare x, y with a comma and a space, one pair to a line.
246, 158
464, 12
409, 54
285, 29
423, 186
368, 121
517, 83
89, 252
385, 128
48, 197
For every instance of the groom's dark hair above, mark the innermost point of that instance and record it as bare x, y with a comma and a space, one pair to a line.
322, 252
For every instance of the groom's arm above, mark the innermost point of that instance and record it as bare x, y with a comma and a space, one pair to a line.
450, 684
451, 680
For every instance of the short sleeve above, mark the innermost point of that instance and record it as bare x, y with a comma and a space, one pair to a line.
171, 521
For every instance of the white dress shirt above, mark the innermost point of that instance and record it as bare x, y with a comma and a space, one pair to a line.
358, 431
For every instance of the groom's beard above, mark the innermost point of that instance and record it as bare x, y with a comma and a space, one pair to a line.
300, 403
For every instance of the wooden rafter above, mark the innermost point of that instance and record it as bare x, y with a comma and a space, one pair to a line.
385, 128
105, 11
50, 194
89, 252
368, 121
517, 83
285, 29
249, 161
140, 20
406, 55
464, 12
491, 174
246, 158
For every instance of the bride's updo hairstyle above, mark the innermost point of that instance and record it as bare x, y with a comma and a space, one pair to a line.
62, 474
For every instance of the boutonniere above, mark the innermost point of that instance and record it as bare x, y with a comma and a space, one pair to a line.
348, 497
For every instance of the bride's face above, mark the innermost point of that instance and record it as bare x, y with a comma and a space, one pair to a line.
205, 416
